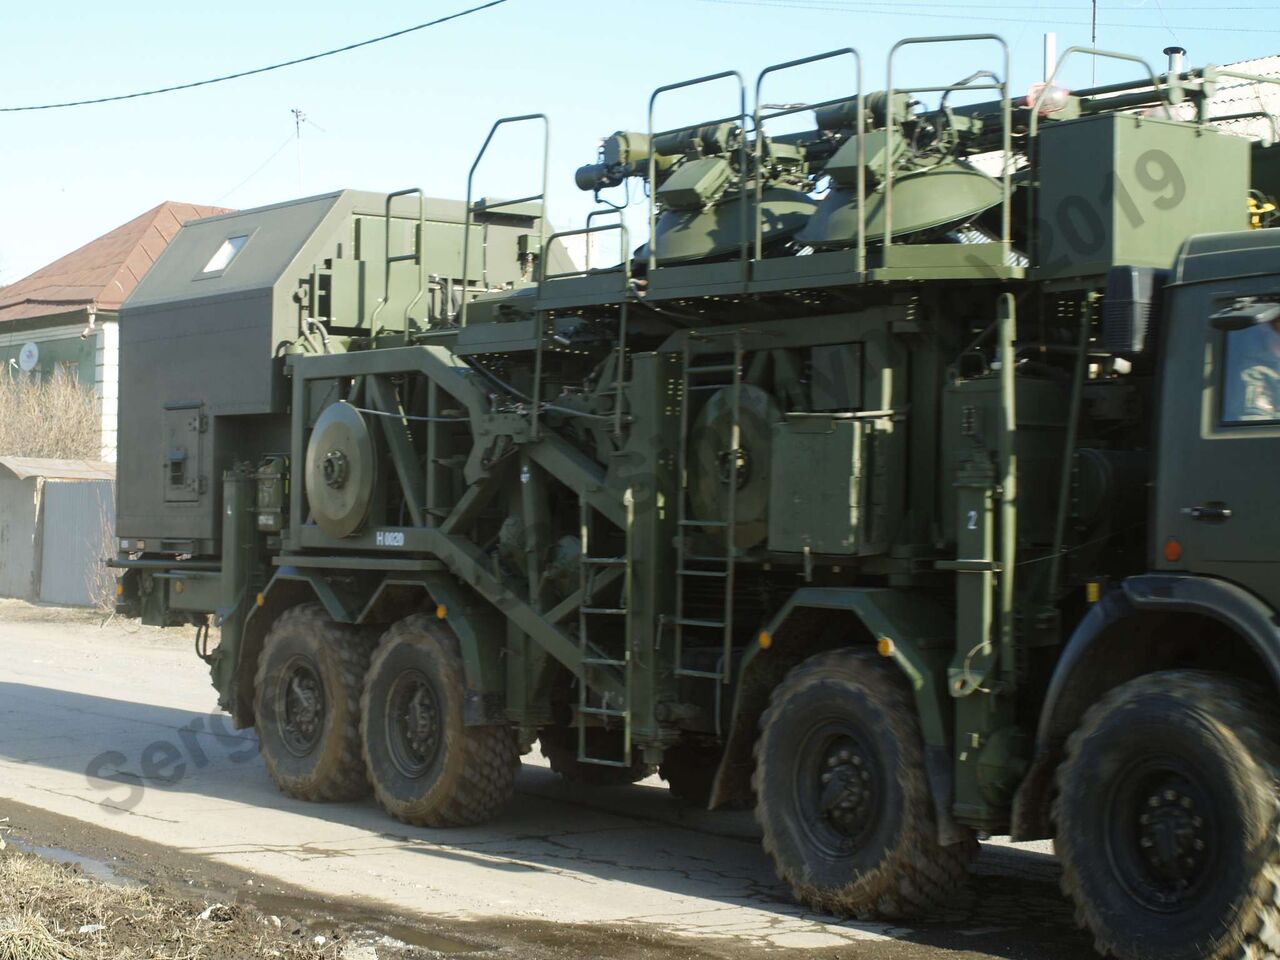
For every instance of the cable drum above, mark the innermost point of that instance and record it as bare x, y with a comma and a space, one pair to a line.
341, 470
711, 469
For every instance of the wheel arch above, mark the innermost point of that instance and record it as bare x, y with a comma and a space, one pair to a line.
1153, 622
912, 629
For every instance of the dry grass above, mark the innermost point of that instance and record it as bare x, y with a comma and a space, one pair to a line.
57, 418
27, 938
44, 907
100, 580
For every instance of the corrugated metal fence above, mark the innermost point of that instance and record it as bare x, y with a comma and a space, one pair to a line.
79, 517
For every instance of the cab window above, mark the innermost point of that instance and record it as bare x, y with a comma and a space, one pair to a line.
1250, 387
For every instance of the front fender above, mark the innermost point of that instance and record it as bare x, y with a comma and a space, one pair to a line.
1096, 659
918, 634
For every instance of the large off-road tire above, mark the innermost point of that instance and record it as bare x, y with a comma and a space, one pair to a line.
842, 795
428, 768
307, 704
1166, 820
560, 746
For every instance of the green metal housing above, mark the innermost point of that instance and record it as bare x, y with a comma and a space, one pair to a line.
902, 414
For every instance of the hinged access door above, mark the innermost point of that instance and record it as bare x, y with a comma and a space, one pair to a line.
185, 427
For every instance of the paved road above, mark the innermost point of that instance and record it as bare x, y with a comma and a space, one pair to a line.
113, 726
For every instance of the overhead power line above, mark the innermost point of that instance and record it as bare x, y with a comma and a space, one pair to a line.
1029, 8
921, 10
258, 70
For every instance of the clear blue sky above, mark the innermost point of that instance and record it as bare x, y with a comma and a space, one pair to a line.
412, 111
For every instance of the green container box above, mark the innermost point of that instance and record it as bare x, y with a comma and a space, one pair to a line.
1128, 189
816, 491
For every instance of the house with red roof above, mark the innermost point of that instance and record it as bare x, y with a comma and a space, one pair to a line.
63, 317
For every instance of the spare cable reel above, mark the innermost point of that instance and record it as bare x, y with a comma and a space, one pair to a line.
711, 469
341, 470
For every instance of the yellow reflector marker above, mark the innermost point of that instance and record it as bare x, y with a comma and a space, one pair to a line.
442, 612
261, 600
1093, 591
765, 639
885, 647
119, 589
177, 586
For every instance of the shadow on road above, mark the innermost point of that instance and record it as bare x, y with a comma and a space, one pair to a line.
141, 759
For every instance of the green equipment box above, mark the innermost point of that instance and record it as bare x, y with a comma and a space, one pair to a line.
1124, 188
816, 487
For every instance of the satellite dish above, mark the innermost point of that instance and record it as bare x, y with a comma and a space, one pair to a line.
28, 357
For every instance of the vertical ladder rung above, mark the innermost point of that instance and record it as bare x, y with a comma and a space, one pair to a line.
603, 712
684, 559
696, 622
592, 656
715, 368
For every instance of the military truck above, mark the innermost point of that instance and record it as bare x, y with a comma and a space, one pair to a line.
913, 480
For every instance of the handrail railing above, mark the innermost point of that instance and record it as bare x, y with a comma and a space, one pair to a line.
418, 255
586, 253
759, 120
588, 231
624, 243
1051, 83
541, 197
1006, 116
741, 118
1254, 78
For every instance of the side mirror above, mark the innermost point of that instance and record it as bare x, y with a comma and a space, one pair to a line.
1244, 314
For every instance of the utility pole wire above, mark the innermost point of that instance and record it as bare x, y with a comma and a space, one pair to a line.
896, 8
257, 70
257, 170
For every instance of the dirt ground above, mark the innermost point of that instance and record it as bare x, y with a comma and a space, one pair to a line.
50, 911
623, 873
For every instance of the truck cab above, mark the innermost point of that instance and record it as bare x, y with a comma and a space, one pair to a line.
1215, 509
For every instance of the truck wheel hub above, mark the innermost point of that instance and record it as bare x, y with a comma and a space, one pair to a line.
1171, 834
413, 721
1161, 834
848, 788
303, 718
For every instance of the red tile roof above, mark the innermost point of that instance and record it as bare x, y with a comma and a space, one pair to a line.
103, 272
